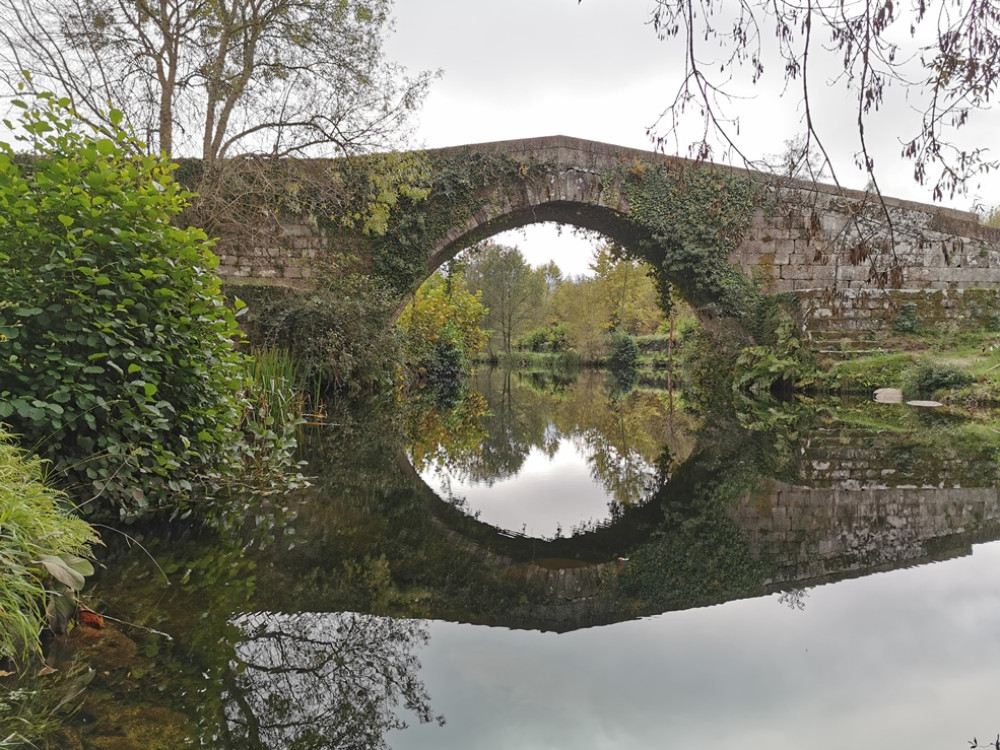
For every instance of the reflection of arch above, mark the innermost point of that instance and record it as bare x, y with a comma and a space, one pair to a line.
603, 544
800, 537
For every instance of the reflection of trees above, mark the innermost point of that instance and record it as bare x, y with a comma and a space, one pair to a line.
437, 433
318, 680
516, 424
624, 438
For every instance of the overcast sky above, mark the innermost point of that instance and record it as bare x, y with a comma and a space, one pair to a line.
596, 70
904, 659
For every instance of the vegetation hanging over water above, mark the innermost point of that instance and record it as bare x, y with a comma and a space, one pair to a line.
43, 556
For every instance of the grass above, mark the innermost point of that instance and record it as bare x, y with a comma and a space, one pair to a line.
959, 368
34, 522
865, 374
34, 708
272, 414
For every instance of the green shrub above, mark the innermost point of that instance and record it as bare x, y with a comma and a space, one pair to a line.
42, 551
654, 343
550, 339
442, 333
777, 369
622, 350
907, 318
929, 377
339, 333
116, 346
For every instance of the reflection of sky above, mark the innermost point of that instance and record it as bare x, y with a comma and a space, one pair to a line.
546, 495
902, 659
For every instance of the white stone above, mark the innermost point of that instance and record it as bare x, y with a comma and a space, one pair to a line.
889, 396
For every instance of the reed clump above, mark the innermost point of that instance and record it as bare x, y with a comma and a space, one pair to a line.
39, 534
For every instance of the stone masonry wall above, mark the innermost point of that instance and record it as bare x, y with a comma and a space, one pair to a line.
816, 238
287, 262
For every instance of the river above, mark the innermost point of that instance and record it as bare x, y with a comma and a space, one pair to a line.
558, 562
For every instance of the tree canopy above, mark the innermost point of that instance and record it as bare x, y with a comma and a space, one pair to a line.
220, 78
941, 55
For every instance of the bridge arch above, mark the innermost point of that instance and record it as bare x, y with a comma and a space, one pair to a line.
583, 209
683, 219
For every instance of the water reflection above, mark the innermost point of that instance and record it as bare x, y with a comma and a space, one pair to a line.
303, 630
555, 455
323, 680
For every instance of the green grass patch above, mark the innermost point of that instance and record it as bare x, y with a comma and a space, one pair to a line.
864, 374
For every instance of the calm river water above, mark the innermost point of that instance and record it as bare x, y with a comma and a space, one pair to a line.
563, 563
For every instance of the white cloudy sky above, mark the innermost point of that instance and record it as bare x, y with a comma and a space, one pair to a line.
596, 70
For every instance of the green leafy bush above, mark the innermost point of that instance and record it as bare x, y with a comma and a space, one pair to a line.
339, 333
622, 350
551, 338
442, 332
929, 377
775, 369
116, 346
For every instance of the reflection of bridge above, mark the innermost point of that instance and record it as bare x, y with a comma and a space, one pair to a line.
867, 518
817, 535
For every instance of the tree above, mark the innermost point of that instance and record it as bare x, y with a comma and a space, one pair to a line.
628, 293
619, 296
580, 306
442, 329
948, 74
220, 78
512, 290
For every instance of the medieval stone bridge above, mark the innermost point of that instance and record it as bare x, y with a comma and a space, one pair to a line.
838, 249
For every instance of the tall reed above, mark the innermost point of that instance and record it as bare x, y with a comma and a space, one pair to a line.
272, 414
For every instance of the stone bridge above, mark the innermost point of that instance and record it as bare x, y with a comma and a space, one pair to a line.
838, 249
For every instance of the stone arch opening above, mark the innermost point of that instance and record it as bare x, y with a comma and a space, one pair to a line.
607, 222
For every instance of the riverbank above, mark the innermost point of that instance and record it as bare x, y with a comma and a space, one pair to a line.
961, 368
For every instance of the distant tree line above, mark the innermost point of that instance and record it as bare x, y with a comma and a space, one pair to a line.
540, 310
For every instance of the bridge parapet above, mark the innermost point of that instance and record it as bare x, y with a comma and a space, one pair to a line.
836, 248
